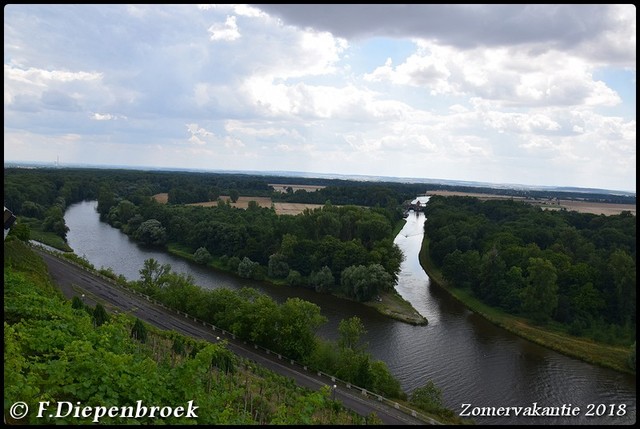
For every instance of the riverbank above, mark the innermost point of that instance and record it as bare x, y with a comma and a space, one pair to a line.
393, 305
580, 348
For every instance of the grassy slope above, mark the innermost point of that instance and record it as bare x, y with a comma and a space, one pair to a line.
49, 346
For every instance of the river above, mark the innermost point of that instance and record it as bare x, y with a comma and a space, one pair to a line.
471, 360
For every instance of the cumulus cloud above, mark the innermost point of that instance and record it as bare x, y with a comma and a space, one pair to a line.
468, 92
506, 76
227, 31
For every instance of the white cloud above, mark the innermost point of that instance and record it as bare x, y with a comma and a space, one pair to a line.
202, 137
106, 117
548, 89
505, 75
227, 31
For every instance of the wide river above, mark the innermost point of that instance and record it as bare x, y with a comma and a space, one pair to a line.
471, 360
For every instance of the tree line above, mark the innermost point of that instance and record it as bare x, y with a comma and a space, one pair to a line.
574, 269
288, 328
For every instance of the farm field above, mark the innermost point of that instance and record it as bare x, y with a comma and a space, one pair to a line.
579, 206
281, 208
243, 203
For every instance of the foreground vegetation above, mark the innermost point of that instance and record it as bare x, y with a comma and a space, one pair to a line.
561, 279
57, 350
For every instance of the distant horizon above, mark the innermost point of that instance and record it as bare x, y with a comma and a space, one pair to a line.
319, 175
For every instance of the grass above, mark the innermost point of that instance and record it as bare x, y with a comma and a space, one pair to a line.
605, 355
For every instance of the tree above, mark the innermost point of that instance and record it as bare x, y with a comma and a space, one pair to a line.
294, 278
76, 303
54, 222
100, 315
427, 397
298, 323
623, 273
247, 268
234, 195
139, 331
202, 256
362, 283
350, 331
152, 274
540, 296
151, 232
278, 267
322, 280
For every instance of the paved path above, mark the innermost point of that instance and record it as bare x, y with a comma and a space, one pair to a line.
74, 281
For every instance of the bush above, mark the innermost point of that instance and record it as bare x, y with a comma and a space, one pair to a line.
202, 256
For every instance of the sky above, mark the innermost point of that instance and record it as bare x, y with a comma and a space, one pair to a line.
538, 95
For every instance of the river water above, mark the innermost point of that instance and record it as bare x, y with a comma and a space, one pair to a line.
471, 360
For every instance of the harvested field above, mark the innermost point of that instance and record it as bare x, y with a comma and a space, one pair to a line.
294, 208
162, 198
243, 203
572, 205
281, 208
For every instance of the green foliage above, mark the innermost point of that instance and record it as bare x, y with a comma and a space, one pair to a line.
76, 303
80, 260
322, 280
100, 316
350, 331
152, 275
247, 268
427, 397
355, 366
53, 353
234, 195
576, 269
21, 231
233, 263
295, 279
278, 267
151, 232
540, 296
139, 331
333, 236
202, 256
363, 283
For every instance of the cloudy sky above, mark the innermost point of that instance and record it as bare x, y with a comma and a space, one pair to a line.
520, 94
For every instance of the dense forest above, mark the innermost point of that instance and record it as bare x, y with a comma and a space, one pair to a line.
562, 268
58, 350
